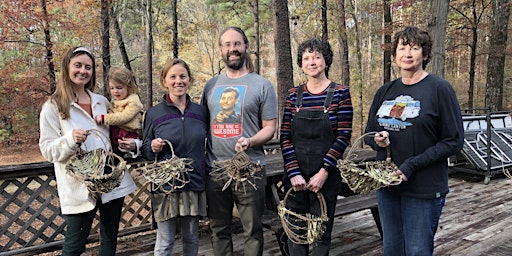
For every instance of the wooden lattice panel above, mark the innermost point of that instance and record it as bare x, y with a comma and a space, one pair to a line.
29, 212
30, 219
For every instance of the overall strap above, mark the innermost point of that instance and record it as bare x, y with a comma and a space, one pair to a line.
328, 99
298, 101
330, 94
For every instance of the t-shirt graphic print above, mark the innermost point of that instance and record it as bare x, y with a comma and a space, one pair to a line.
393, 114
227, 111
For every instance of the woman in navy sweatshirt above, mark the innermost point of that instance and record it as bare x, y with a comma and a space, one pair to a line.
419, 118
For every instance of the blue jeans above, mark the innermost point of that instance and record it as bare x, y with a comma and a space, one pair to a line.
167, 230
408, 224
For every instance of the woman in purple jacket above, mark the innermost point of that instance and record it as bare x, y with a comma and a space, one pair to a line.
184, 123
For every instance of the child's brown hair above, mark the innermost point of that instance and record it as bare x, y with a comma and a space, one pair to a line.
123, 76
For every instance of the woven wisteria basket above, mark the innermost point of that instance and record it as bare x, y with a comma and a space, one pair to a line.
303, 228
167, 175
364, 177
239, 168
89, 167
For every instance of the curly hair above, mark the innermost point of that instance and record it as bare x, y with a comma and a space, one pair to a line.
312, 45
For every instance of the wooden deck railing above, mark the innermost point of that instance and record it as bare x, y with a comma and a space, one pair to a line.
30, 219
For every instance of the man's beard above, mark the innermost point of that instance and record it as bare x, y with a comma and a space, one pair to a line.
235, 64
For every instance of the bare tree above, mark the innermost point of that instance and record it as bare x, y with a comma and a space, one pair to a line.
471, 22
120, 42
48, 45
496, 60
284, 68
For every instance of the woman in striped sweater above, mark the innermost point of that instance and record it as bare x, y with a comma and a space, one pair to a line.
316, 130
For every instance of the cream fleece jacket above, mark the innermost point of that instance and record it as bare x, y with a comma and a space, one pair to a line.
57, 146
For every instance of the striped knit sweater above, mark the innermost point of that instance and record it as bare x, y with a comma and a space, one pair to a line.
340, 115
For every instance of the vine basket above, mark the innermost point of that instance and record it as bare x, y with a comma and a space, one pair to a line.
166, 175
239, 168
303, 228
89, 168
364, 177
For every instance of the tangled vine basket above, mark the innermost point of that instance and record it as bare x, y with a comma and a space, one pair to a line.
303, 228
364, 177
89, 167
171, 172
239, 168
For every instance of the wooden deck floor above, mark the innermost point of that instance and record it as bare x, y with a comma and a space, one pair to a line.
476, 221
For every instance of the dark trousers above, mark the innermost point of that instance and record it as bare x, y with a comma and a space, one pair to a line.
250, 203
78, 227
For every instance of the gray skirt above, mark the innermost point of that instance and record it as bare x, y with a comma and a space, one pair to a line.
187, 203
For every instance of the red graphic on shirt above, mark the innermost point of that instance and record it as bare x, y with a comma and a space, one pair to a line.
227, 130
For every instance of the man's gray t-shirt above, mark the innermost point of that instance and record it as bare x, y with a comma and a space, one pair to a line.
257, 101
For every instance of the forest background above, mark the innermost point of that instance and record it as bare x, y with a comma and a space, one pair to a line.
471, 47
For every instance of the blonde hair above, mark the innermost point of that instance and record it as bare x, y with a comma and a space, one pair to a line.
64, 93
125, 77
168, 65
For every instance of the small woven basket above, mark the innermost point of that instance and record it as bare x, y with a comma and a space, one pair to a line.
364, 177
239, 168
172, 172
303, 228
89, 168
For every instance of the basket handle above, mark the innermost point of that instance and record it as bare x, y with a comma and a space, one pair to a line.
100, 135
321, 201
349, 154
172, 150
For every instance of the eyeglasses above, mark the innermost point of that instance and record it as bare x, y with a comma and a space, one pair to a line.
228, 45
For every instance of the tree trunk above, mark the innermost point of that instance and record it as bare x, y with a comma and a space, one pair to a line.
386, 38
257, 37
120, 41
175, 43
342, 39
48, 45
473, 17
359, 69
325, 35
472, 66
496, 60
284, 68
149, 53
105, 43
437, 26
